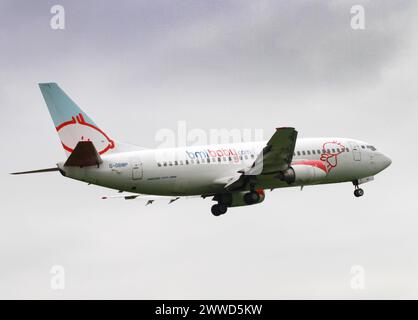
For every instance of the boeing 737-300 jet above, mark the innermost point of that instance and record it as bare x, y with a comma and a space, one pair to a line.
232, 175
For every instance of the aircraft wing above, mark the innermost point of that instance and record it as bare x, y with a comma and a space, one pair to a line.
148, 198
276, 156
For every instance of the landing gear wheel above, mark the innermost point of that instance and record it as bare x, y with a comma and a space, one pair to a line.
251, 197
219, 209
358, 192
222, 208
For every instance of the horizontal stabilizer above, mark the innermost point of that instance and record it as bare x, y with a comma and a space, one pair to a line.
37, 171
84, 155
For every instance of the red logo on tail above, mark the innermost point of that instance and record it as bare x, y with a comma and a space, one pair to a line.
77, 129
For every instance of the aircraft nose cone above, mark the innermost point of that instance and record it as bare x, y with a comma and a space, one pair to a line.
385, 161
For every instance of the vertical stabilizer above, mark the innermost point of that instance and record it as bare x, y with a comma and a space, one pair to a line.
73, 124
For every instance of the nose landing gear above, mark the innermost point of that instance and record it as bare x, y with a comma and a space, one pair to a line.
358, 192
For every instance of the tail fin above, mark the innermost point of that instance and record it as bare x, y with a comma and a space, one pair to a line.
72, 123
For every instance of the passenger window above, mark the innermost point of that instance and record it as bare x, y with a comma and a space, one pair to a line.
176, 163
181, 162
298, 153
333, 150
309, 152
338, 150
165, 164
252, 156
170, 163
313, 151
192, 161
347, 150
246, 157
303, 152
219, 159
159, 164
328, 150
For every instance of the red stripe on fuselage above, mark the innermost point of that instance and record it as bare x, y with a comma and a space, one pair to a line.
314, 163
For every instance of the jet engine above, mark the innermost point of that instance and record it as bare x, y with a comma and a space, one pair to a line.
303, 173
242, 198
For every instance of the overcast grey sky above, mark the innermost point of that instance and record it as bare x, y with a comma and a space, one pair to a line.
139, 66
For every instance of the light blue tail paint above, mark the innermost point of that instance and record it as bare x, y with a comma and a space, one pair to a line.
60, 106
72, 123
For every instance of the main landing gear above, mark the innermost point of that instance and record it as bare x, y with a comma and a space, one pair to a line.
358, 192
219, 209
251, 197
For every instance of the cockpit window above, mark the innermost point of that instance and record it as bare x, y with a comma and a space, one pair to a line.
371, 148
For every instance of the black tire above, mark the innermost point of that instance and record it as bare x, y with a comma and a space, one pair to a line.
359, 192
222, 208
215, 210
251, 197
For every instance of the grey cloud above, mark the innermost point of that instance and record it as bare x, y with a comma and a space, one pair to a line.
305, 43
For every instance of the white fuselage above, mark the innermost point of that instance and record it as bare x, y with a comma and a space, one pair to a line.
202, 170
234, 174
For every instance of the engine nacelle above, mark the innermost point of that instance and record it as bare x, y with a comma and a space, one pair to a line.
303, 173
237, 199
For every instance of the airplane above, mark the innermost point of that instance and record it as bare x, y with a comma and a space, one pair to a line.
233, 175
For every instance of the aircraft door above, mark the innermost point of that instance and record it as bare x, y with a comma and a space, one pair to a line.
137, 170
356, 151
